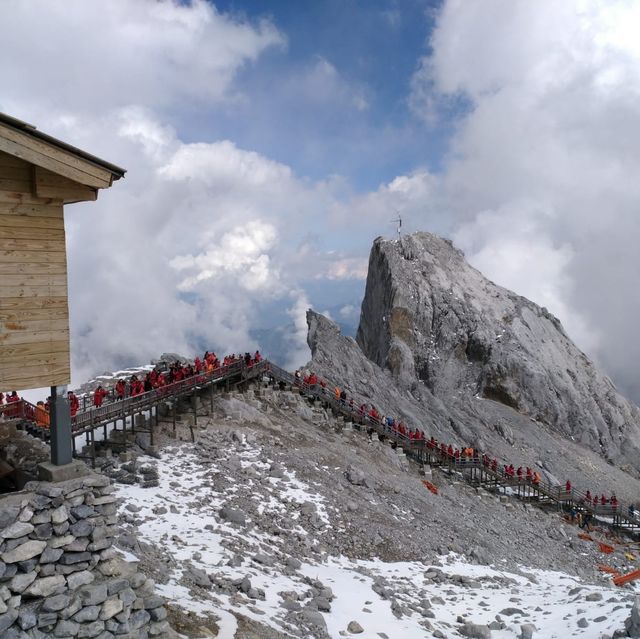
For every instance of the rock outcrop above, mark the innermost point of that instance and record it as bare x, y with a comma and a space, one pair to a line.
451, 339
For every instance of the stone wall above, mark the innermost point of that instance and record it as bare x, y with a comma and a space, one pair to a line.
59, 573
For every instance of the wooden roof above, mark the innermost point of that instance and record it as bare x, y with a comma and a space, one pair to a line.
23, 140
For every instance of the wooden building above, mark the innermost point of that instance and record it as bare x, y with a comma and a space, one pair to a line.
38, 176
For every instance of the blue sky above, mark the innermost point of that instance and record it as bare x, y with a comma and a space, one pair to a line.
268, 144
375, 48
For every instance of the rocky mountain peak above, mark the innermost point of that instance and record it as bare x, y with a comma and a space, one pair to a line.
466, 346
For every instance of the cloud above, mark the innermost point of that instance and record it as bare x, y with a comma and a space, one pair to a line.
299, 352
112, 54
349, 311
541, 179
240, 255
347, 268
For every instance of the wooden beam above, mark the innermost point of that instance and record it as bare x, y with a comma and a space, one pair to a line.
30, 268
62, 162
22, 304
34, 325
30, 245
37, 369
33, 314
51, 185
38, 210
14, 338
15, 352
14, 184
34, 279
29, 257
44, 380
36, 233
15, 198
12, 161
35, 359
22, 172
30, 221
33, 291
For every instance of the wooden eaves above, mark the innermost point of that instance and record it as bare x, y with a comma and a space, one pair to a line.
61, 171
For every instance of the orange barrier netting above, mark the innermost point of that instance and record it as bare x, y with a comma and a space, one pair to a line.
430, 486
625, 579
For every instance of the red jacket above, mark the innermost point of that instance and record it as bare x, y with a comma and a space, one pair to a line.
98, 397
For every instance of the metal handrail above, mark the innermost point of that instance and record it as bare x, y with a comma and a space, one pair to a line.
108, 412
557, 493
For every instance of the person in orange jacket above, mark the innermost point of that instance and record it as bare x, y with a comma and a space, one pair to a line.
42, 415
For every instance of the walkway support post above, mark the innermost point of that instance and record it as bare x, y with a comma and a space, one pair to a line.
61, 446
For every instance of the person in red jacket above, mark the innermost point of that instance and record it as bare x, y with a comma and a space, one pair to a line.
98, 396
121, 388
13, 398
567, 486
74, 403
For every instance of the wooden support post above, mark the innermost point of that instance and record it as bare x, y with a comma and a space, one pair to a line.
211, 397
151, 429
174, 416
194, 404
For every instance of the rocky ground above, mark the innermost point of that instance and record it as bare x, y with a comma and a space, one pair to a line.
281, 522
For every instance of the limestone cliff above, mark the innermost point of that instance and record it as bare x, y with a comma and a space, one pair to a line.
450, 338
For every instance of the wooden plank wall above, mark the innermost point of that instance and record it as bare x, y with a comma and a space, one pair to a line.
34, 315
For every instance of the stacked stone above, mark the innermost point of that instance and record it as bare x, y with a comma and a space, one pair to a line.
59, 573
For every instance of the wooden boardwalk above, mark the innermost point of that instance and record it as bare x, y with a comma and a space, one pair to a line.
472, 470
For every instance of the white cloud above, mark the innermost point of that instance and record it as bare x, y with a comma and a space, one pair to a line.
241, 255
158, 54
299, 352
349, 311
541, 181
346, 268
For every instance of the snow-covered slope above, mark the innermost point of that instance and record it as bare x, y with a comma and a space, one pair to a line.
277, 524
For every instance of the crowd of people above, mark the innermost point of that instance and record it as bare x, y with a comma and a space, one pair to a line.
158, 377
162, 376
368, 415
364, 415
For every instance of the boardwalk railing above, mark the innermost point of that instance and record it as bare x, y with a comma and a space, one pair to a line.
474, 469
